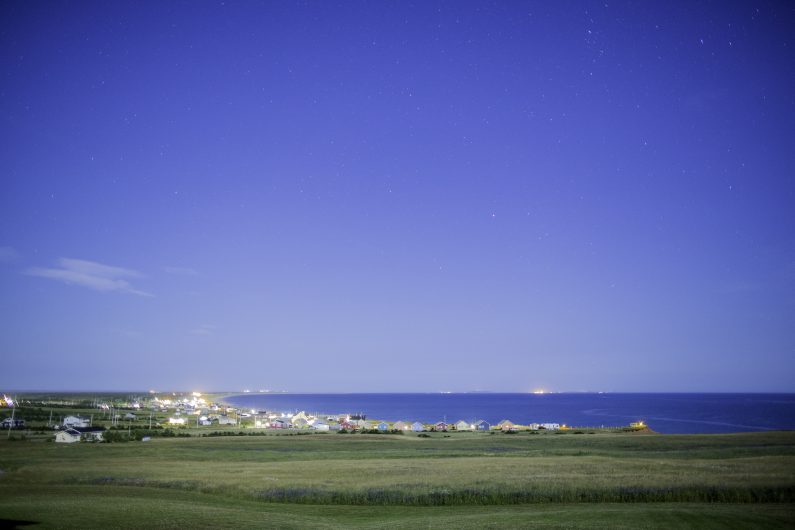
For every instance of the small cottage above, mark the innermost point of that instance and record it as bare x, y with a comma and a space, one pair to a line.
90, 434
76, 434
401, 426
76, 421
417, 427
506, 425
440, 426
462, 425
67, 436
301, 416
482, 425
382, 426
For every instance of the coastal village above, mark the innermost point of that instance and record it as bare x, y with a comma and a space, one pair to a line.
196, 414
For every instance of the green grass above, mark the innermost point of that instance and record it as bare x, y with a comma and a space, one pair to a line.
466, 479
125, 507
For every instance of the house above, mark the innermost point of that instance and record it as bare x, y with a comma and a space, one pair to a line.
204, 420
90, 434
76, 434
226, 420
279, 423
129, 416
462, 425
300, 423
382, 426
417, 427
176, 421
506, 425
76, 421
301, 416
533, 426
320, 425
348, 426
8, 423
401, 426
440, 426
482, 425
551, 426
67, 436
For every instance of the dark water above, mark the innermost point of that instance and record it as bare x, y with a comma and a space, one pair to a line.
666, 413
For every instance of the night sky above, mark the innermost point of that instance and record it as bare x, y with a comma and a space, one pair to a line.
373, 196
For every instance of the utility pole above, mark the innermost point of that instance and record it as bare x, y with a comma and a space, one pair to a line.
13, 411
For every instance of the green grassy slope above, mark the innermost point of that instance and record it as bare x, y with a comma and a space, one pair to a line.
465, 479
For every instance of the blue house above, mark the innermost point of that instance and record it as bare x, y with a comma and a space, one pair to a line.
383, 426
482, 425
417, 427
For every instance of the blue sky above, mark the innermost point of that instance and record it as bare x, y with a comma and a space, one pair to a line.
325, 196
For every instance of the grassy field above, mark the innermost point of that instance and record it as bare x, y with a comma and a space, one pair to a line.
458, 480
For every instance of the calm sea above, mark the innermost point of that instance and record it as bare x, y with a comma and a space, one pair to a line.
666, 413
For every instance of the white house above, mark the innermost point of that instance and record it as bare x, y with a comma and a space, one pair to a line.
176, 421
462, 425
551, 426
69, 436
76, 421
72, 435
226, 420
320, 425
301, 416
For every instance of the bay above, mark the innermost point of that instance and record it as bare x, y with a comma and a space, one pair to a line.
672, 413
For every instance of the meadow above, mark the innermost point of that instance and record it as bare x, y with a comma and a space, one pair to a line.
446, 480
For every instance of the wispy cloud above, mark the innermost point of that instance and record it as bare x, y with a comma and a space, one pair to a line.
91, 274
204, 330
184, 271
8, 254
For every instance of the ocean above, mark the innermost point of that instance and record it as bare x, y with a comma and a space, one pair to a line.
665, 413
